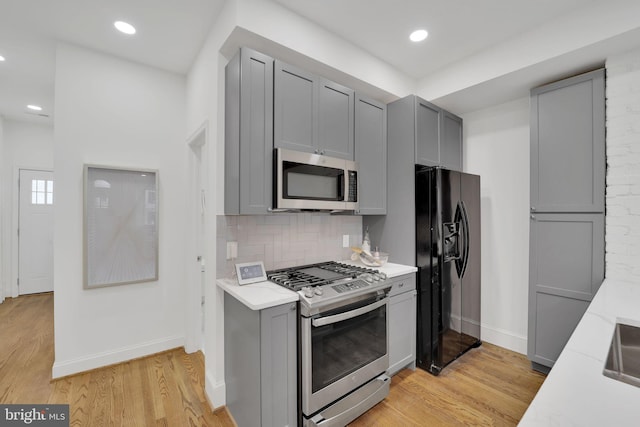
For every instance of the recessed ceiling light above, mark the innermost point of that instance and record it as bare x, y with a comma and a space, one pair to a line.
1, 58
34, 107
418, 35
124, 27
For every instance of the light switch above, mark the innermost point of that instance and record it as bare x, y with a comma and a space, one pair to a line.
345, 240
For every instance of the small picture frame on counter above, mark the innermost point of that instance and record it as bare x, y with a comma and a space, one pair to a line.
250, 272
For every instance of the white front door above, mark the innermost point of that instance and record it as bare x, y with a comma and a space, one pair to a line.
35, 232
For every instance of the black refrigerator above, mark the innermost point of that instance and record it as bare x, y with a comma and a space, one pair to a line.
448, 261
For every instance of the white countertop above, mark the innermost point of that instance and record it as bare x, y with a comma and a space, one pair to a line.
390, 269
575, 393
261, 295
258, 296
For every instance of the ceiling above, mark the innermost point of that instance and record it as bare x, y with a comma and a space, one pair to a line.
171, 33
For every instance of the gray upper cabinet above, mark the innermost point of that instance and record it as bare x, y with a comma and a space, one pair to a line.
296, 108
371, 155
427, 131
435, 133
566, 256
248, 133
451, 141
336, 120
312, 114
567, 145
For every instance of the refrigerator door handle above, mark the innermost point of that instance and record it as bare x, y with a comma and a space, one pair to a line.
465, 233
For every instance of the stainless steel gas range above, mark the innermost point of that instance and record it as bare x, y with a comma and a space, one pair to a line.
342, 339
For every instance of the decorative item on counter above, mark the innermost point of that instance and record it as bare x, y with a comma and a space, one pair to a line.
370, 260
366, 241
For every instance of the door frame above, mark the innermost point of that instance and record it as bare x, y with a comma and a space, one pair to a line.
197, 145
15, 223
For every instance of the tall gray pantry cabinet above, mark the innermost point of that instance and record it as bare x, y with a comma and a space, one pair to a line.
567, 210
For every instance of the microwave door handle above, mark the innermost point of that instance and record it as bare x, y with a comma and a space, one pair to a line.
328, 320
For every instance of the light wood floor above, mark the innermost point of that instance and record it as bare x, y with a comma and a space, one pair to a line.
488, 386
165, 389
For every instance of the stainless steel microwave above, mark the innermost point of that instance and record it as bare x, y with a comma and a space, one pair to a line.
308, 181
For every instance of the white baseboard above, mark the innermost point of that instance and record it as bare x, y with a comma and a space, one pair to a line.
215, 391
99, 360
505, 339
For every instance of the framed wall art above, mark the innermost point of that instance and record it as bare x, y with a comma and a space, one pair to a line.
120, 226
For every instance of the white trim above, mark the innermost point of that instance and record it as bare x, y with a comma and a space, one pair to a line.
100, 360
505, 339
215, 392
15, 223
196, 150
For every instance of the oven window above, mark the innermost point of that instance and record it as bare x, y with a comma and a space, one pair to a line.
312, 182
344, 347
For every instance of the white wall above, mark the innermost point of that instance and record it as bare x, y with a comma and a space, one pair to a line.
623, 167
496, 147
25, 145
117, 113
3, 262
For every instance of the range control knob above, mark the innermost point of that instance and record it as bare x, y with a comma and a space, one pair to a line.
318, 290
307, 291
368, 277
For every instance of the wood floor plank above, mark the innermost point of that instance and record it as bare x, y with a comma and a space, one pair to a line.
487, 386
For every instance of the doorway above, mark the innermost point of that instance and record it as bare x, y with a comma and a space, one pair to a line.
196, 274
35, 231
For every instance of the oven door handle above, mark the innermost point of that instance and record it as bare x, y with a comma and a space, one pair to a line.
328, 320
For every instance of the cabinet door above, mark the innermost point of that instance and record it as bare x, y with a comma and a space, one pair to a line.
567, 145
295, 108
335, 120
248, 133
566, 270
402, 331
427, 133
451, 141
278, 361
256, 133
371, 155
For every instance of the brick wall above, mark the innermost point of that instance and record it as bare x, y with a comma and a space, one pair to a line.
285, 240
623, 167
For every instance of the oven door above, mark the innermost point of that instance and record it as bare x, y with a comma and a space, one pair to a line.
342, 350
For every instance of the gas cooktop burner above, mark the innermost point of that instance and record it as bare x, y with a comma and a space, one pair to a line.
324, 273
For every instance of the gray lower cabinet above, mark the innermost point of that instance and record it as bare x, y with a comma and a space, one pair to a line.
312, 114
402, 323
260, 364
371, 155
566, 257
248, 133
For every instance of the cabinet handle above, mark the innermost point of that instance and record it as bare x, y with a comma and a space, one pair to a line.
533, 217
401, 285
315, 151
533, 208
322, 152
292, 307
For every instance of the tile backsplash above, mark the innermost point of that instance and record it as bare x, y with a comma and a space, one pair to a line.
285, 240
